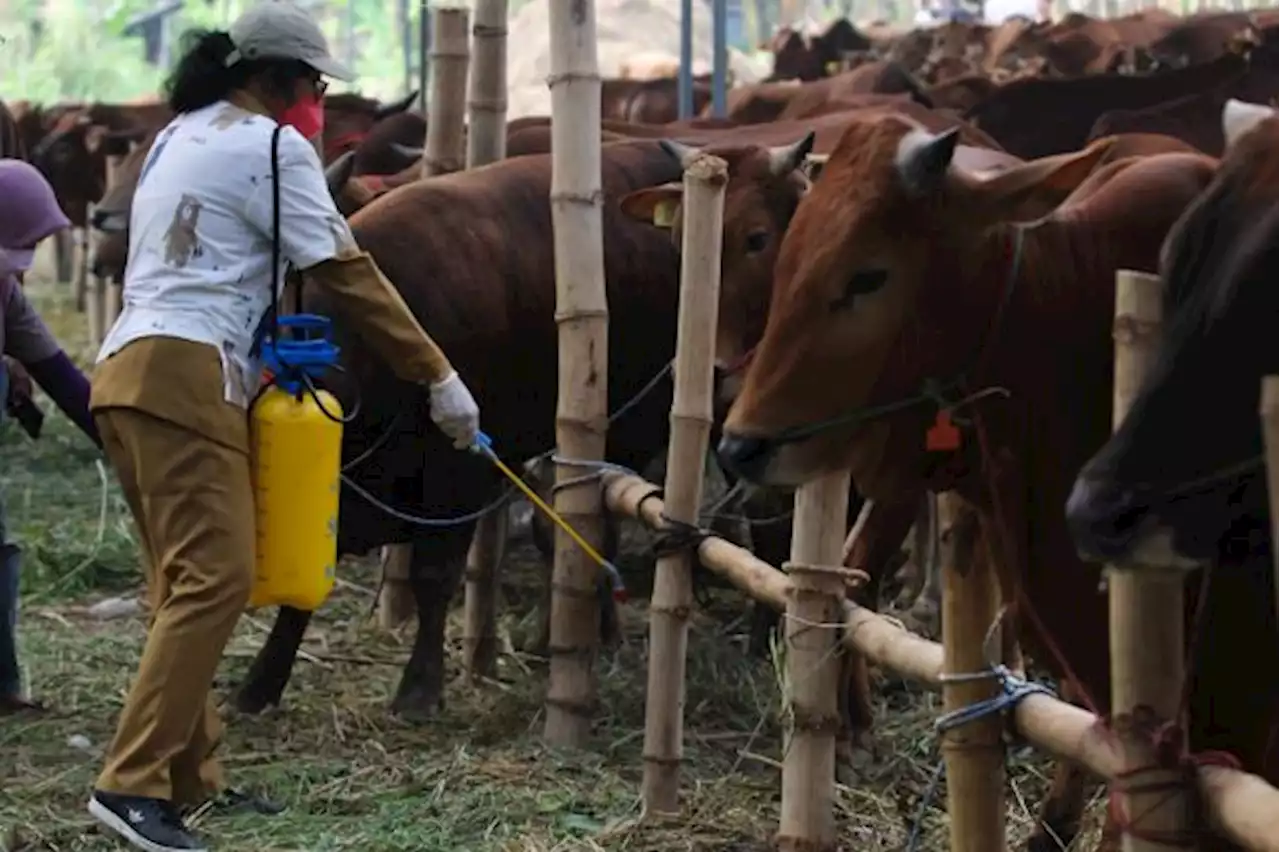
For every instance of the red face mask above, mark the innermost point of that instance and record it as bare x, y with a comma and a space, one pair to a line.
306, 116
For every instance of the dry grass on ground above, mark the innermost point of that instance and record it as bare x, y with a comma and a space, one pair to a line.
475, 779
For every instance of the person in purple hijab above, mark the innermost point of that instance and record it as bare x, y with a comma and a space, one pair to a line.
28, 213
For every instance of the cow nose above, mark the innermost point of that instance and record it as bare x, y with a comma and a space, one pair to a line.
745, 456
1104, 518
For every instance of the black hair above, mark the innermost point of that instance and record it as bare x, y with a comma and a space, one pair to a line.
202, 76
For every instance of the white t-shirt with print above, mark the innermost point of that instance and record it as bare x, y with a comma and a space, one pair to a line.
199, 264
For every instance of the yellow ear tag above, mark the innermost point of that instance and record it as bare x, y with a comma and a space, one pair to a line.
664, 213
832, 68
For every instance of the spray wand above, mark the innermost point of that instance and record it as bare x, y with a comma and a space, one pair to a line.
484, 446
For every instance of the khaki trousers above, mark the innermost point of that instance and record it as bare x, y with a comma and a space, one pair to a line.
192, 499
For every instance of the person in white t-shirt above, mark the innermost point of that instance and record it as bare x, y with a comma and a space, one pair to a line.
179, 369
998, 11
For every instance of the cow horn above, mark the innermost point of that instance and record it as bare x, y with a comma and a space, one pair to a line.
407, 151
1239, 117
678, 151
395, 107
337, 173
785, 159
923, 159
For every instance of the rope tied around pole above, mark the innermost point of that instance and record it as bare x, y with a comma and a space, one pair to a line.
1013, 690
675, 536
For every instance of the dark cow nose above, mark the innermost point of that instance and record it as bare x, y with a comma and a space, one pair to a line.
745, 456
1104, 518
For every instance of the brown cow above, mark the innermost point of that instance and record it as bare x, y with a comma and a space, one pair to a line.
760, 200
471, 254
904, 276
797, 56
1036, 118
1195, 119
349, 117
765, 102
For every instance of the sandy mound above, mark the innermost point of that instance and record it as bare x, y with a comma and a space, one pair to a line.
623, 28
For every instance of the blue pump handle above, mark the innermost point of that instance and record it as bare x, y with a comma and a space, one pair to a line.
291, 360
305, 322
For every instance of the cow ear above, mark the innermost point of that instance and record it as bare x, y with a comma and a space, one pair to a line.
1239, 117
655, 205
1002, 196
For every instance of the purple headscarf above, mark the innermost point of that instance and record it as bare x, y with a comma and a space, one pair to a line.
29, 212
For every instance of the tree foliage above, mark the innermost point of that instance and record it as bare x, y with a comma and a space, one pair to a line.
63, 50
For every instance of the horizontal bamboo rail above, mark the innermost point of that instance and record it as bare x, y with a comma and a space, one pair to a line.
1240, 807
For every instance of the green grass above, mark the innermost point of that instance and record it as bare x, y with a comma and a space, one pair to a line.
477, 778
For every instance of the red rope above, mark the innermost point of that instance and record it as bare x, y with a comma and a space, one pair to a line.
1169, 740
341, 143
377, 184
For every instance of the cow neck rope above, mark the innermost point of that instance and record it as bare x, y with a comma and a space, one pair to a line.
931, 391
1166, 739
1170, 738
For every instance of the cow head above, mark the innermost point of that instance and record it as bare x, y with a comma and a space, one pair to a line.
68, 158
760, 198
891, 268
348, 118
795, 57
1199, 486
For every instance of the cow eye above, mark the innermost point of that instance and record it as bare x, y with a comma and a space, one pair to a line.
861, 283
756, 241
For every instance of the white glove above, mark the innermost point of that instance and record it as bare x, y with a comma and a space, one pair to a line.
454, 410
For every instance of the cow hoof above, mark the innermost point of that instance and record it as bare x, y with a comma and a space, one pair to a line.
417, 705
251, 699
922, 618
1047, 840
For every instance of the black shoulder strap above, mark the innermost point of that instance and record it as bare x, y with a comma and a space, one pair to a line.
269, 323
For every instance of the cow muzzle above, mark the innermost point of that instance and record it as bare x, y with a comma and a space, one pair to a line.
745, 456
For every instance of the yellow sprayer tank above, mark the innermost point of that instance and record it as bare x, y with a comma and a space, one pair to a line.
296, 457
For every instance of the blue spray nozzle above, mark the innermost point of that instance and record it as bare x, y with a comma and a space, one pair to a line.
303, 356
483, 444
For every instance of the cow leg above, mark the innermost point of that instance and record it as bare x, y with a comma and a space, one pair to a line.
64, 255
876, 534
434, 574
1059, 820
932, 540
269, 674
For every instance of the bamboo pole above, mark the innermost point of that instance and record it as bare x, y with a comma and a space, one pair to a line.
64, 252
443, 150
480, 611
1267, 409
1240, 807
704, 184
974, 751
92, 286
112, 290
487, 98
84, 242
395, 599
442, 154
1146, 617
582, 316
813, 621
486, 143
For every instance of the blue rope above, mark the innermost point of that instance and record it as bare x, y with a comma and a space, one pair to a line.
1013, 690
